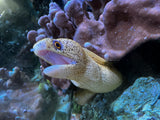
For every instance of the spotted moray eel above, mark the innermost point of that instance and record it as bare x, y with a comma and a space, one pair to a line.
85, 69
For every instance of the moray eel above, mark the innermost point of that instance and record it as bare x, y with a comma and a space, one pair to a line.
84, 68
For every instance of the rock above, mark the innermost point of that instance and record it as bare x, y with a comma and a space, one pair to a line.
140, 101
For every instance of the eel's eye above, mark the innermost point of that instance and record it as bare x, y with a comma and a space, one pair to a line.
57, 45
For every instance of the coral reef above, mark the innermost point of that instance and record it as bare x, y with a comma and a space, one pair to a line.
22, 99
109, 28
120, 28
110, 33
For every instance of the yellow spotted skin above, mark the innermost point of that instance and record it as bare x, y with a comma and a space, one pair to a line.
90, 72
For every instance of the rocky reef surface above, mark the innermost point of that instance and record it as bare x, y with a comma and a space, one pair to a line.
138, 102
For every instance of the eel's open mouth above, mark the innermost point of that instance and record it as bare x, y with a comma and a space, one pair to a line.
54, 58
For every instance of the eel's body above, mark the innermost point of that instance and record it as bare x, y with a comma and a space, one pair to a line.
71, 61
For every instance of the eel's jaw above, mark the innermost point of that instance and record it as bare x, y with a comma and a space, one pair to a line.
60, 71
59, 64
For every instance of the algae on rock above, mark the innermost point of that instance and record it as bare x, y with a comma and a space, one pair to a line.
140, 101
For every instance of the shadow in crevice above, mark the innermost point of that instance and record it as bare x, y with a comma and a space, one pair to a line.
144, 61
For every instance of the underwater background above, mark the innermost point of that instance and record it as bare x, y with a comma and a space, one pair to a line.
125, 33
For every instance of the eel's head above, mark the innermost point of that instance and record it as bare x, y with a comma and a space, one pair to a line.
59, 51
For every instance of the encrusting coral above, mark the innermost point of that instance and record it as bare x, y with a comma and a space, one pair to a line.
111, 32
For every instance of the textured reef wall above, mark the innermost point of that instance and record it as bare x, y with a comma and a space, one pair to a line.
140, 101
